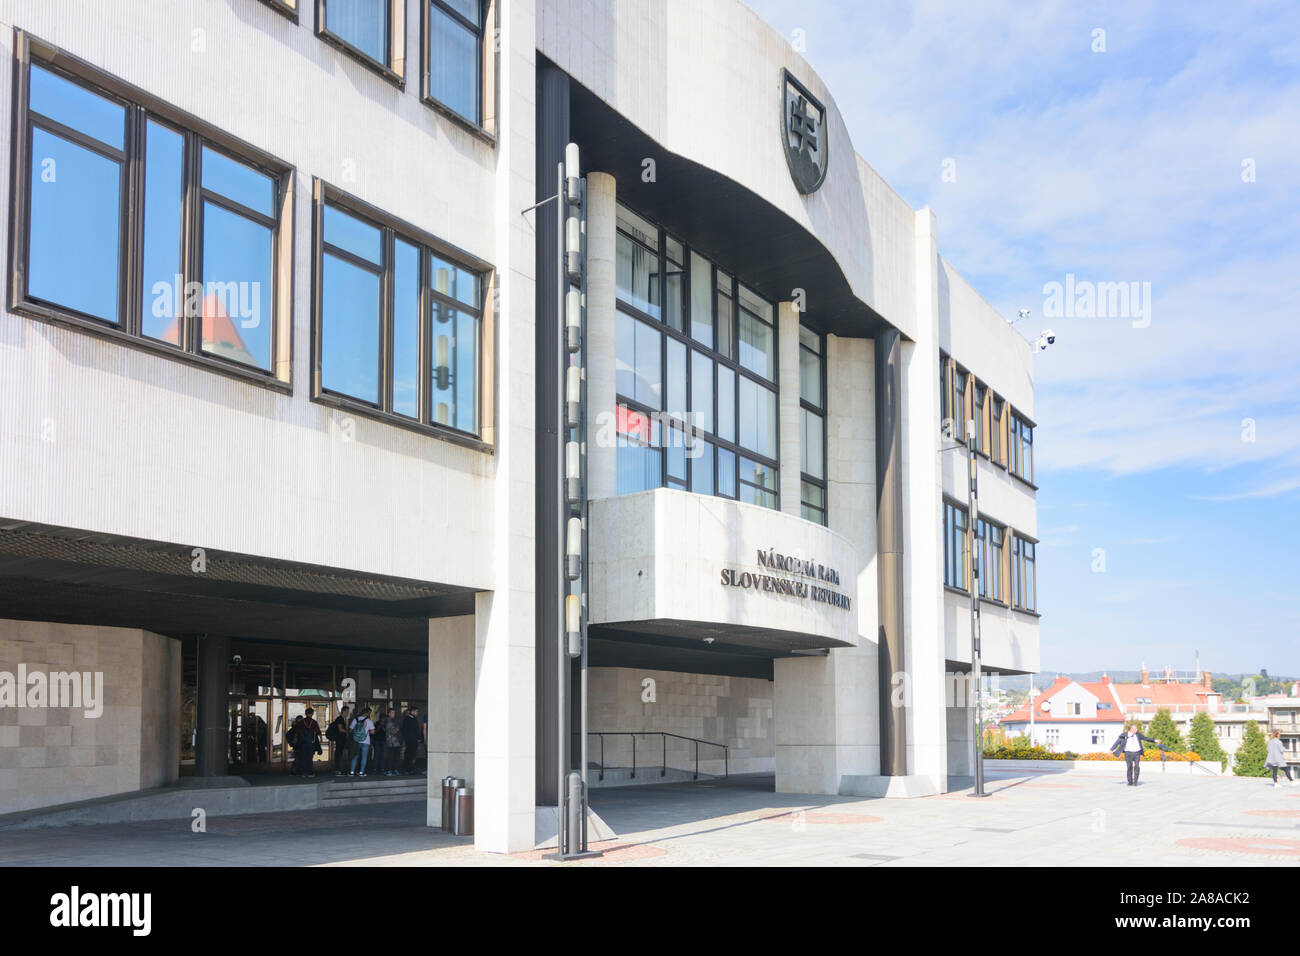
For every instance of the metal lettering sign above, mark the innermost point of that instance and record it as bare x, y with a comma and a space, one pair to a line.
803, 126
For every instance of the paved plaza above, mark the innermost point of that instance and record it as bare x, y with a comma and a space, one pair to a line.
1037, 818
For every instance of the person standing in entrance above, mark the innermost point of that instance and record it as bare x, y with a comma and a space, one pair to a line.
380, 742
411, 734
339, 736
309, 736
363, 728
1129, 743
393, 741
1277, 759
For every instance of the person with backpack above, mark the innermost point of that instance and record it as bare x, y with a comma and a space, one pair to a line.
393, 741
362, 729
308, 743
339, 735
1277, 759
411, 735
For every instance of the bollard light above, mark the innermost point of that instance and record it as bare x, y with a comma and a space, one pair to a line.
573, 396
573, 248
573, 549
573, 473
573, 319
442, 363
572, 189
573, 624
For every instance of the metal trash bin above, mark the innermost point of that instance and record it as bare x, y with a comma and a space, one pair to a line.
450, 785
462, 823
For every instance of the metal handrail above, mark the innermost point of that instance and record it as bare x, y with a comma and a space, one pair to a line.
664, 734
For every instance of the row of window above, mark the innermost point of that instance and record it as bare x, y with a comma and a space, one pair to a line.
458, 59
696, 377
1002, 435
1007, 576
136, 220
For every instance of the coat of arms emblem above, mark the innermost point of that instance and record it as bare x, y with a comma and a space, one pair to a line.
803, 127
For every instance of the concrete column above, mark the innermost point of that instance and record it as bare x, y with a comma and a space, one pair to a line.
922, 514
212, 738
602, 455
452, 680
787, 363
505, 622
825, 708
890, 552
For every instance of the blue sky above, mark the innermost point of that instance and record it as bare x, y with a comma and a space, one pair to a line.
1175, 447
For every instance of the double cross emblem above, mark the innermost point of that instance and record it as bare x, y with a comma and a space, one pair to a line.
803, 127
804, 132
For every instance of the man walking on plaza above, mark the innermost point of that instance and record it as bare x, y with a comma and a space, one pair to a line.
1129, 743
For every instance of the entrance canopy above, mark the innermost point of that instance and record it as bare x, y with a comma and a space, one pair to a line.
78, 577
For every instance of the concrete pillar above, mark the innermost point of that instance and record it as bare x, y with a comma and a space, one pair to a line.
922, 510
452, 680
890, 552
825, 708
602, 454
787, 363
505, 622
212, 737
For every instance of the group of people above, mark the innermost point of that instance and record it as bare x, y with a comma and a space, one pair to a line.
394, 742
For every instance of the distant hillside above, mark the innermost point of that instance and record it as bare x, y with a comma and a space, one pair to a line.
1044, 678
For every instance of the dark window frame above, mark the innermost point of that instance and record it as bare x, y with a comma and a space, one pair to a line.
392, 230
140, 108
986, 559
286, 8
951, 506
387, 68
820, 410
661, 325
1017, 427
488, 101
1018, 562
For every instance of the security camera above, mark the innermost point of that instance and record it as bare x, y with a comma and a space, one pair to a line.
237, 660
1024, 313
1045, 338
708, 640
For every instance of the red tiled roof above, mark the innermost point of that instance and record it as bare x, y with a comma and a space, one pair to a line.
1122, 696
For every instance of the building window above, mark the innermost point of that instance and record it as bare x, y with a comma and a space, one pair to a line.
1073, 708
1020, 448
1098, 737
979, 397
370, 31
696, 355
399, 322
1024, 580
812, 424
288, 7
143, 222
458, 64
956, 545
997, 453
991, 540
957, 404
1053, 736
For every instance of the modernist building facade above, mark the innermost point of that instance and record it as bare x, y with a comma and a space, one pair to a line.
279, 401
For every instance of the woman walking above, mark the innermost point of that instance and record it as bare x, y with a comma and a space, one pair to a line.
1277, 759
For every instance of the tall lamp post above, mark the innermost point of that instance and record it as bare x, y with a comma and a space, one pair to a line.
972, 548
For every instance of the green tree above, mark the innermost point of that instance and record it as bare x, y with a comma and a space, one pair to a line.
1252, 753
1203, 741
1164, 730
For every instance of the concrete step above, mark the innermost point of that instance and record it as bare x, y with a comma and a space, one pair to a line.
369, 799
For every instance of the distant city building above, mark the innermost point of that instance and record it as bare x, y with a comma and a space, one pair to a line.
1079, 716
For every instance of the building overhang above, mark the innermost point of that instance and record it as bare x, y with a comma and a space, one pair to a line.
742, 231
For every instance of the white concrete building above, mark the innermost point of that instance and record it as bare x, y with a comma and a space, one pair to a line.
281, 367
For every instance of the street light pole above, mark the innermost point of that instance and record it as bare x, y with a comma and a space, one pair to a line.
973, 486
